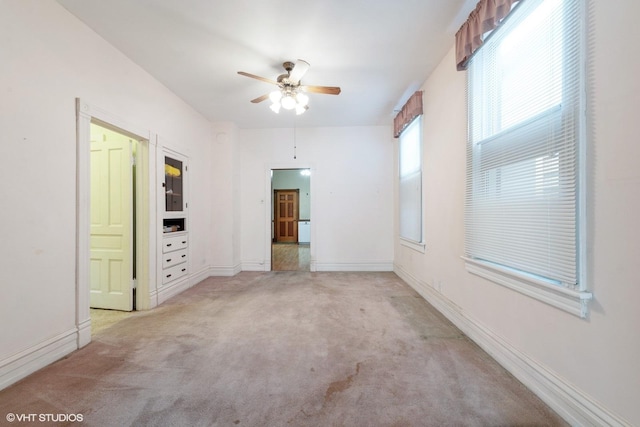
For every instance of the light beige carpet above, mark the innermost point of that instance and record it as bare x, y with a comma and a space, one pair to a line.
105, 319
283, 349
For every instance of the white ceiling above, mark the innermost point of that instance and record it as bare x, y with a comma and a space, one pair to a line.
378, 51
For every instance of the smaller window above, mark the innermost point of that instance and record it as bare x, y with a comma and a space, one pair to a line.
410, 194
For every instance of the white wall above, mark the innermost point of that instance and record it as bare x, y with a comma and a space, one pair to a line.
351, 190
593, 362
224, 239
48, 59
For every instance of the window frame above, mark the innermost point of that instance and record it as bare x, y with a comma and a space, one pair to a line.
404, 240
571, 299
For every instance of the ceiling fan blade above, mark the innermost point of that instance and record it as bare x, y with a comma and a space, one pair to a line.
253, 76
260, 98
298, 71
328, 90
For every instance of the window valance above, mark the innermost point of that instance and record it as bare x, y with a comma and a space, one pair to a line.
410, 110
487, 16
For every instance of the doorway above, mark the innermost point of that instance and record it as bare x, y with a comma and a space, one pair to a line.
291, 219
142, 242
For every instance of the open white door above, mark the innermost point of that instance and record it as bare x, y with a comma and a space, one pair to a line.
111, 265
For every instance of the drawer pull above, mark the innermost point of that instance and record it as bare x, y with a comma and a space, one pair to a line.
184, 242
169, 260
182, 256
168, 244
168, 275
184, 269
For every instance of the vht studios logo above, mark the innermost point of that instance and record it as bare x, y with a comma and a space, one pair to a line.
43, 418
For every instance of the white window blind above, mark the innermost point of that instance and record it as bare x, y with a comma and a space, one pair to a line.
525, 97
411, 182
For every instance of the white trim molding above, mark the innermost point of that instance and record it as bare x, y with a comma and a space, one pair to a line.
84, 332
166, 292
37, 357
374, 266
198, 276
215, 271
572, 301
153, 299
354, 266
572, 404
256, 266
416, 246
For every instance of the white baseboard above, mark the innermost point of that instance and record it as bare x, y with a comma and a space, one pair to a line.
153, 299
354, 266
570, 403
255, 266
327, 266
198, 276
172, 289
84, 333
225, 271
37, 357
168, 291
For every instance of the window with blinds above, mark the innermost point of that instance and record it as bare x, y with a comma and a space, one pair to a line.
410, 194
525, 90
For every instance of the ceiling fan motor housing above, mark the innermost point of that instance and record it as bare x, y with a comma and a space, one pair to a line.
284, 78
288, 65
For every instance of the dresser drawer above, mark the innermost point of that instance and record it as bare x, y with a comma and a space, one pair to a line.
174, 243
172, 258
173, 273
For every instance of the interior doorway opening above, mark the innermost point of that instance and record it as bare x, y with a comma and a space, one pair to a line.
142, 242
291, 219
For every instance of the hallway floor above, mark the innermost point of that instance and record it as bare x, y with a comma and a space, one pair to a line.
104, 319
290, 257
283, 349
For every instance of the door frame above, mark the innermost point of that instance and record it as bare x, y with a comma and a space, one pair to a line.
268, 197
87, 113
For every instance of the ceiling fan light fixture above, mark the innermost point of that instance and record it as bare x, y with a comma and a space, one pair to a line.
303, 100
290, 93
275, 107
288, 102
275, 96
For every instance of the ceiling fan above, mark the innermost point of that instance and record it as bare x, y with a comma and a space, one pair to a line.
291, 93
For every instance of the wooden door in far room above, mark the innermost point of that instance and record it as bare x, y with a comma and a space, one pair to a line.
111, 212
286, 215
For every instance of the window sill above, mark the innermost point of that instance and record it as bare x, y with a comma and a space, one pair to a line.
420, 247
571, 301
